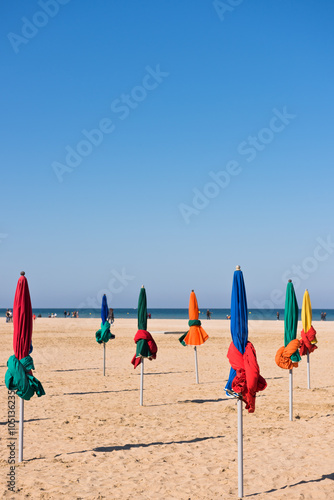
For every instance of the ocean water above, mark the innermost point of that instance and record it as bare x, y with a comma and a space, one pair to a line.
255, 314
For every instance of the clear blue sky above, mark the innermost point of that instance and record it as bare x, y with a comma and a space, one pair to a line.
182, 91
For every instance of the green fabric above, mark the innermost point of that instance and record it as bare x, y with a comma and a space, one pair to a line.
181, 339
18, 379
142, 349
291, 319
191, 322
142, 310
104, 334
194, 322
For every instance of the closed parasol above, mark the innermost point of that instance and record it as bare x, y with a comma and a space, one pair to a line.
19, 375
103, 335
244, 379
145, 345
287, 357
308, 334
196, 335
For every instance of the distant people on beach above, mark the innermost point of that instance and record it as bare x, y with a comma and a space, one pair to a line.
149, 315
323, 316
9, 316
65, 314
277, 314
111, 317
208, 314
228, 316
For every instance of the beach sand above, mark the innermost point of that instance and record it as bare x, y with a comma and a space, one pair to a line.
88, 437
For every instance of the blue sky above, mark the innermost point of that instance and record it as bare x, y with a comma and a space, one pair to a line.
163, 143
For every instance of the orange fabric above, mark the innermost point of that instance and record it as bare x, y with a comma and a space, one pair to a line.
196, 334
193, 307
307, 342
283, 355
248, 380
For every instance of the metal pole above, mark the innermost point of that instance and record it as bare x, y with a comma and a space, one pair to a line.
141, 382
308, 371
196, 365
240, 452
104, 358
291, 394
21, 430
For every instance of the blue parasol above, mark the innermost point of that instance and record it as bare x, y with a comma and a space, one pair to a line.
104, 309
104, 335
239, 320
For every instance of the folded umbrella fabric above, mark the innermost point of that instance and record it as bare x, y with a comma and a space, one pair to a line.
145, 347
104, 334
248, 380
308, 341
19, 378
283, 355
196, 335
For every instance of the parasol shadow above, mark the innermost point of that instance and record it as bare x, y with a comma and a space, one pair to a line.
200, 401
108, 449
75, 369
322, 478
95, 392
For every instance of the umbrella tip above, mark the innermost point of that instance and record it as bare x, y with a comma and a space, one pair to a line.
192, 290
22, 273
142, 286
237, 268
289, 281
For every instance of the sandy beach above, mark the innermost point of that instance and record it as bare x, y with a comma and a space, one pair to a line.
88, 437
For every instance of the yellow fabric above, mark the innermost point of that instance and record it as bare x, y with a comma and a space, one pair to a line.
306, 312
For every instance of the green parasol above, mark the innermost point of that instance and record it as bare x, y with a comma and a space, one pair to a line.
290, 333
291, 319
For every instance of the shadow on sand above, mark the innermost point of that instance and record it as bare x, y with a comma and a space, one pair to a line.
200, 401
165, 373
75, 369
322, 478
108, 449
95, 392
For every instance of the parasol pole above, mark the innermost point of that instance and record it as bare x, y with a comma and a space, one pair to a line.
104, 358
240, 451
308, 371
196, 365
141, 381
291, 395
21, 430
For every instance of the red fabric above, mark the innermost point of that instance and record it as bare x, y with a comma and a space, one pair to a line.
248, 380
305, 343
145, 335
22, 319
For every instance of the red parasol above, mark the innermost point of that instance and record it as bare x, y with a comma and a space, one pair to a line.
22, 319
19, 377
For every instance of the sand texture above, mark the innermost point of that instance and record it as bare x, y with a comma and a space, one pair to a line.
88, 437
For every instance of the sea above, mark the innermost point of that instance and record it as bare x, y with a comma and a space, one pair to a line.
253, 314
